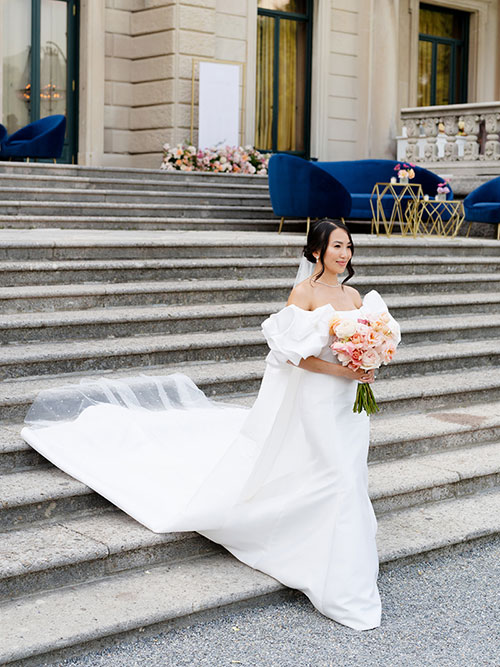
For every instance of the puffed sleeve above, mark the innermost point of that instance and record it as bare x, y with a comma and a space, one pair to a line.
373, 303
294, 334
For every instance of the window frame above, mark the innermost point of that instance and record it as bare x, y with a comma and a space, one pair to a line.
455, 44
307, 18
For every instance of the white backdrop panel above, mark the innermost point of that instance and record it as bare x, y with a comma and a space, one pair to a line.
219, 105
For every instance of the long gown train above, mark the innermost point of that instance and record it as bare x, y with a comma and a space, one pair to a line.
283, 486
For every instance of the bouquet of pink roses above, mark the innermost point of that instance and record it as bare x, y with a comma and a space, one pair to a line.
367, 343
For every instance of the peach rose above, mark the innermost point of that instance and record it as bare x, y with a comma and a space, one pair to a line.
375, 339
353, 367
388, 353
370, 360
345, 329
357, 355
333, 324
357, 338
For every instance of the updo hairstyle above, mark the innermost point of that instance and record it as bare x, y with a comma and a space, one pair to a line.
317, 240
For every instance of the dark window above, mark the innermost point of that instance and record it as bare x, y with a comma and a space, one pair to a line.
284, 29
442, 56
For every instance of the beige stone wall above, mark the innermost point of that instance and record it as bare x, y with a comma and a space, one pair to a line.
154, 80
168, 36
118, 89
364, 70
343, 81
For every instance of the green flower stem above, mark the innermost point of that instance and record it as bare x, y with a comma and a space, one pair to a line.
365, 400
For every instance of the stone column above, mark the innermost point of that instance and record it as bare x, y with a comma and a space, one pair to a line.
91, 92
384, 108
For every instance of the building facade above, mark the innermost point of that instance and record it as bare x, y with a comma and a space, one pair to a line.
319, 78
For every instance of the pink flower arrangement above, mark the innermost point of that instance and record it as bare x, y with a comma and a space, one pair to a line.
367, 343
443, 188
405, 170
222, 159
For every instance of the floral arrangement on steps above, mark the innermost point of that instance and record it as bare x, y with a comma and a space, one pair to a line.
222, 159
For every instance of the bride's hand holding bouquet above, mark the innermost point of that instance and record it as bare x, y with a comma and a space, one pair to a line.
364, 344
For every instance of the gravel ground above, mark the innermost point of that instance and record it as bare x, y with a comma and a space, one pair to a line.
444, 612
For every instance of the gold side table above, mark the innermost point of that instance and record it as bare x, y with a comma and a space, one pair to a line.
403, 211
442, 217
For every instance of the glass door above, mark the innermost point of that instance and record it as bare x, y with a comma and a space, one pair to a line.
39, 74
284, 32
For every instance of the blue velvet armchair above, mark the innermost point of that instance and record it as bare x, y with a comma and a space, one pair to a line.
483, 205
300, 189
42, 139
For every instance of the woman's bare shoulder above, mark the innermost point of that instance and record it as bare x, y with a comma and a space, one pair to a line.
301, 295
355, 295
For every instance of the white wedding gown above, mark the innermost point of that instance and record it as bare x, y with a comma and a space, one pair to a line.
283, 486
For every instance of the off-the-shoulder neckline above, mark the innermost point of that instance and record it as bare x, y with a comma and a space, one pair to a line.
353, 310
326, 305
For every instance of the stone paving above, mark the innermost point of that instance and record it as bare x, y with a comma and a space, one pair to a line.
439, 612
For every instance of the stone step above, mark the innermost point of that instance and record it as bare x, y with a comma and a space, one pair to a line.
41, 358
79, 244
82, 547
15, 454
31, 497
44, 196
163, 184
140, 321
391, 436
397, 436
43, 493
119, 173
439, 391
92, 244
31, 298
224, 223
417, 480
138, 209
161, 597
113, 322
53, 272
126, 270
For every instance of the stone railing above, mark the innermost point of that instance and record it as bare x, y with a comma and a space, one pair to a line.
465, 132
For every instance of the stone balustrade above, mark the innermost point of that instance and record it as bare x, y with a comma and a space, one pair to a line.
448, 133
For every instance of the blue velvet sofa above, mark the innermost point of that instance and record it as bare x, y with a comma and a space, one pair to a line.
359, 177
42, 139
300, 189
483, 205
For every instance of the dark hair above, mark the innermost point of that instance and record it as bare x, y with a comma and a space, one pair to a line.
318, 238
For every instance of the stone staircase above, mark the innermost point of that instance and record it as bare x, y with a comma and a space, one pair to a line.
75, 303
40, 195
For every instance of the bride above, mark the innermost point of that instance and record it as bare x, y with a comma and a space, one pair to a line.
283, 486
